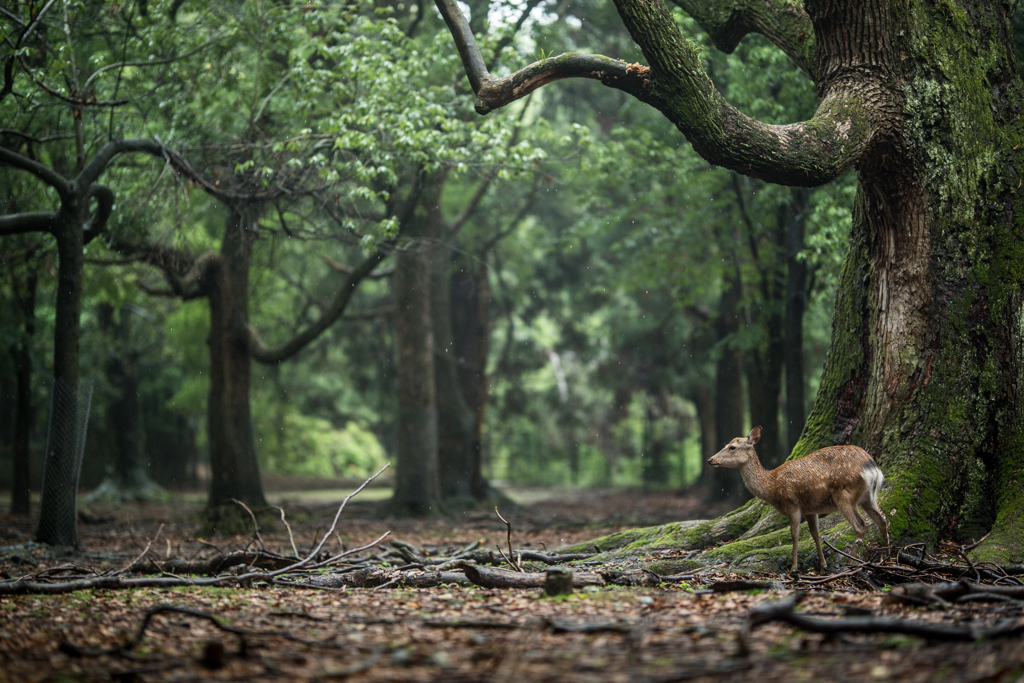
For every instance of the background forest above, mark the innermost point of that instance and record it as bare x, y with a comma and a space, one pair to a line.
317, 209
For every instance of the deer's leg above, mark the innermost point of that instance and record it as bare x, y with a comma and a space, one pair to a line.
849, 510
812, 524
876, 514
794, 526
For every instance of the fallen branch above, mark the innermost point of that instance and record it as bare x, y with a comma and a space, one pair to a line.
142, 554
784, 611
27, 586
125, 648
946, 593
488, 577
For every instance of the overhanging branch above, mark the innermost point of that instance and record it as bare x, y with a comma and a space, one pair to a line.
493, 93
803, 154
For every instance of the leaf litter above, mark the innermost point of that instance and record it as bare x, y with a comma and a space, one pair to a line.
716, 625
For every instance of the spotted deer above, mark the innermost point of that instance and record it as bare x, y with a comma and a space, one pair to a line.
830, 479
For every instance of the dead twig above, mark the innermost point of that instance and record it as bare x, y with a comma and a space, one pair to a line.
291, 537
142, 554
255, 525
968, 548
508, 558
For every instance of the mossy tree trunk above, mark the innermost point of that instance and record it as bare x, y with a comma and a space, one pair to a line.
923, 101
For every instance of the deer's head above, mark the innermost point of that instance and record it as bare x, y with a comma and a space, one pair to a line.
738, 452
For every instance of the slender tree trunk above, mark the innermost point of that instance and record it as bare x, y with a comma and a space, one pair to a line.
58, 514
471, 332
793, 326
655, 469
729, 409
124, 413
704, 403
233, 461
417, 484
764, 382
456, 438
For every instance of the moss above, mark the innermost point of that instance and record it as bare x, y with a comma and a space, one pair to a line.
689, 535
1005, 545
673, 567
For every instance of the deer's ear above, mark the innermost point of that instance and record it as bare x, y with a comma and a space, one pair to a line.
754, 436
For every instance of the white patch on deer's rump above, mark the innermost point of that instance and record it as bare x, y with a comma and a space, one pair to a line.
873, 477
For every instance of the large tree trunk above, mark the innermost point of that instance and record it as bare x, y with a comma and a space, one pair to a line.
417, 485
793, 325
925, 364
233, 461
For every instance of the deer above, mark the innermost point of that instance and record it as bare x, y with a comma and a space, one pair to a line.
829, 479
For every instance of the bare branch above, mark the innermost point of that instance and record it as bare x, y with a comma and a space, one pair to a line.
41, 171
259, 351
783, 22
152, 62
29, 221
33, 138
493, 93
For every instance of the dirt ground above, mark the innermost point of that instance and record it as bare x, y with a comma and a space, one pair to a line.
674, 632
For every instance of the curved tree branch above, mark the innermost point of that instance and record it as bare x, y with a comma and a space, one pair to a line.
185, 272
784, 22
41, 171
99, 162
493, 93
259, 351
804, 154
105, 204
29, 221
151, 62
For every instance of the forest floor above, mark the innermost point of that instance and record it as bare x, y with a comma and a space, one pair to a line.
672, 631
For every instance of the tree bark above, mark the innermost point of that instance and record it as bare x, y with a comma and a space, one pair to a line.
58, 516
417, 483
233, 460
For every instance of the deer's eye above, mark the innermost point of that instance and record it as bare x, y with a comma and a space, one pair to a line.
732, 448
